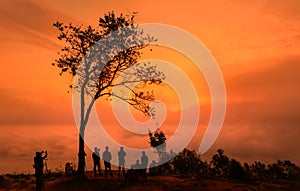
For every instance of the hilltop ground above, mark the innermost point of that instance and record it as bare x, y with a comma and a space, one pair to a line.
157, 183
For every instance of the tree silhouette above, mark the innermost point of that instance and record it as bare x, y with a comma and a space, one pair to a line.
259, 170
236, 170
158, 141
284, 170
189, 162
98, 65
220, 163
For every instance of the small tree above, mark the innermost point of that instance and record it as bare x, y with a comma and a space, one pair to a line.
285, 170
258, 170
158, 141
189, 162
236, 170
98, 67
186, 162
220, 163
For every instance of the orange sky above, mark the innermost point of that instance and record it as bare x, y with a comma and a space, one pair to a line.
256, 44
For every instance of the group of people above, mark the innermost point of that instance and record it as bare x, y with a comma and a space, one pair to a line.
40, 157
107, 157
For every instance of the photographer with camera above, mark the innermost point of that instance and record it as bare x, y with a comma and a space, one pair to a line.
39, 166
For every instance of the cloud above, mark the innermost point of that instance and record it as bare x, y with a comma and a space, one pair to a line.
262, 121
29, 23
266, 95
24, 107
288, 10
18, 145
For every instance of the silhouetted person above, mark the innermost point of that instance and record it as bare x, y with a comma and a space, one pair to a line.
153, 164
96, 160
107, 158
68, 169
39, 166
137, 165
132, 175
144, 164
121, 155
153, 168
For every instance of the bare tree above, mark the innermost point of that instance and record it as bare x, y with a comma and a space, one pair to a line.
97, 57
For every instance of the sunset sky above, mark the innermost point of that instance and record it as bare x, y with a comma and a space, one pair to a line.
255, 42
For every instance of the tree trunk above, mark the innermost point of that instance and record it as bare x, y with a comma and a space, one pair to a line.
84, 117
81, 157
81, 152
83, 123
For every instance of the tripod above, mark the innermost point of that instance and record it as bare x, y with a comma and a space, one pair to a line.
45, 165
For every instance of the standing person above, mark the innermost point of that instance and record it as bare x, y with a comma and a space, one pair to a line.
39, 166
107, 158
144, 164
121, 155
153, 169
96, 160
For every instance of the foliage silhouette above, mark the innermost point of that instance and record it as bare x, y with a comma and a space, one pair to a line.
189, 162
220, 163
98, 65
236, 170
283, 170
258, 170
158, 141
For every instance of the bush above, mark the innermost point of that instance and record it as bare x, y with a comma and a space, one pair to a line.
283, 170
189, 163
258, 170
2, 181
236, 170
220, 164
